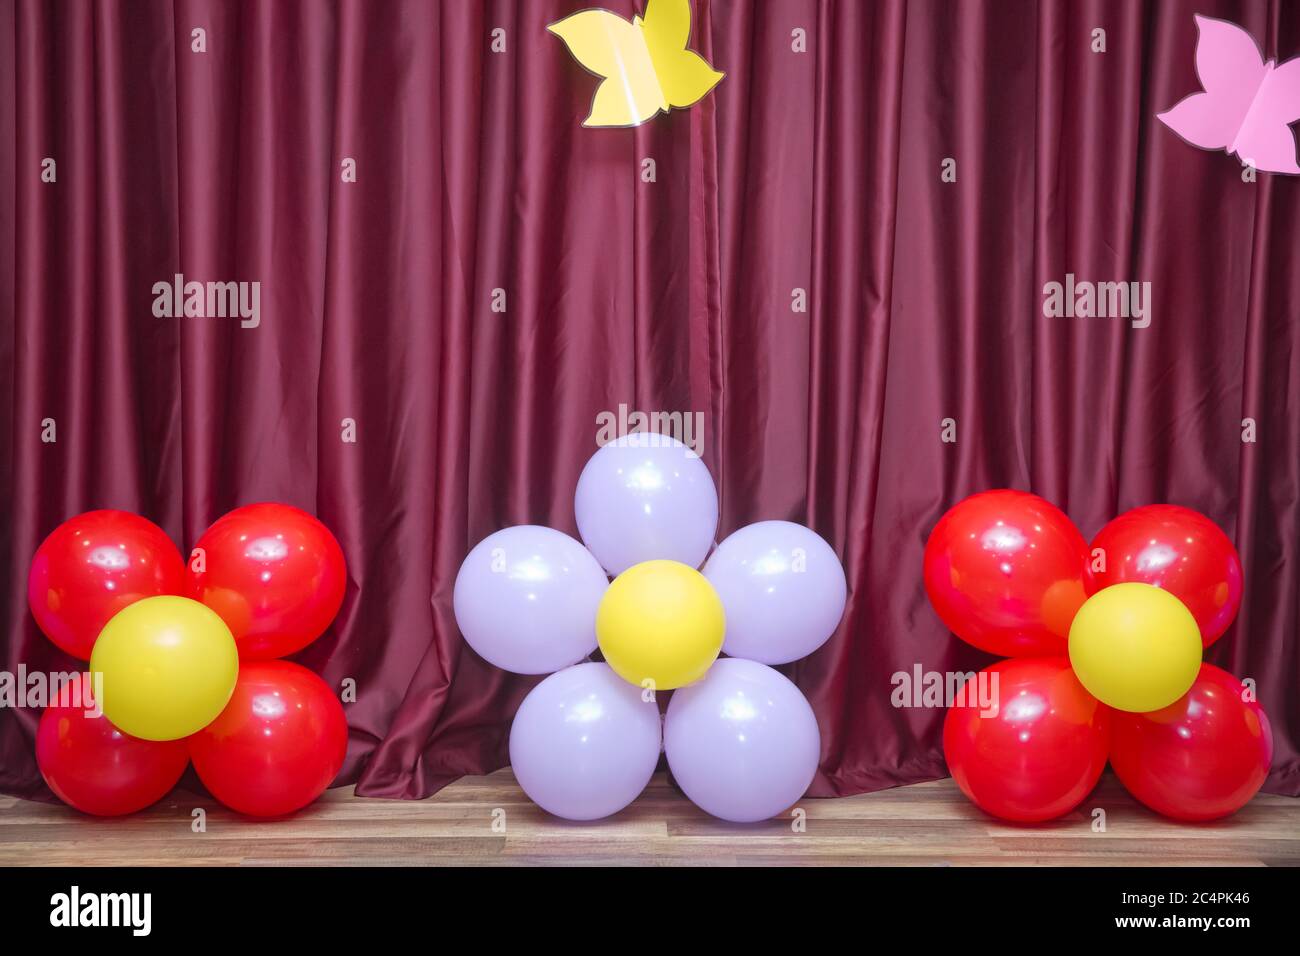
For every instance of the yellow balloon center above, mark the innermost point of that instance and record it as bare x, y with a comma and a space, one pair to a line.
1135, 647
168, 666
660, 625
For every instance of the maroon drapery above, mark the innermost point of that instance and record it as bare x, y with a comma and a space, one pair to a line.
818, 171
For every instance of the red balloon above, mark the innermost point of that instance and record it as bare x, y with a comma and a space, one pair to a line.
278, 744
275, 575
93, 766
1040, 754
1202, 757
1179, 550
1005, 571
92, 566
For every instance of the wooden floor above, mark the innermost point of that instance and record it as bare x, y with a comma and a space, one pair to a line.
928, 824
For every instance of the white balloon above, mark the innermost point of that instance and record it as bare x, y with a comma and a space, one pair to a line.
783, 590
645, 497
526, 599
742, 742
585, 742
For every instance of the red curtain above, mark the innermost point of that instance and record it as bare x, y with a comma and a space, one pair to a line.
497, 275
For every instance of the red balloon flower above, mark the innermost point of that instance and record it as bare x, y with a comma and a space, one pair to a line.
93, 766
275, 575
92, 566
1043, 750
1005, 571
1179, 550
278, 744
1202, 757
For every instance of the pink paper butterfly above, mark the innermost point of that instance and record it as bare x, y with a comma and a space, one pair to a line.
1247, 105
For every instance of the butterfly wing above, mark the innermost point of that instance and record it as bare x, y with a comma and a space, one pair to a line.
667, 24
1203, 121
1231, 70
615, 50
1266, 141
1227, 58
684, 76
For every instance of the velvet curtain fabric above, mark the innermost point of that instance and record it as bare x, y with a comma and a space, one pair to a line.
787, 258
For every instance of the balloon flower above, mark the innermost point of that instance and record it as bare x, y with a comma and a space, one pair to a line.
179, 667
1105, 645
740, 738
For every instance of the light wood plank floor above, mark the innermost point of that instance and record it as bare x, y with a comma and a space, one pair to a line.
927, 824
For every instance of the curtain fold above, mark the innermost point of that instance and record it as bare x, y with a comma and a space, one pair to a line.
788, 258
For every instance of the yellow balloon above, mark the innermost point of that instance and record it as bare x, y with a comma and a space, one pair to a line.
169, 666
660, 625
1135, 647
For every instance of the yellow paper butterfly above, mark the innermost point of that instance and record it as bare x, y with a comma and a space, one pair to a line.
644, 65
